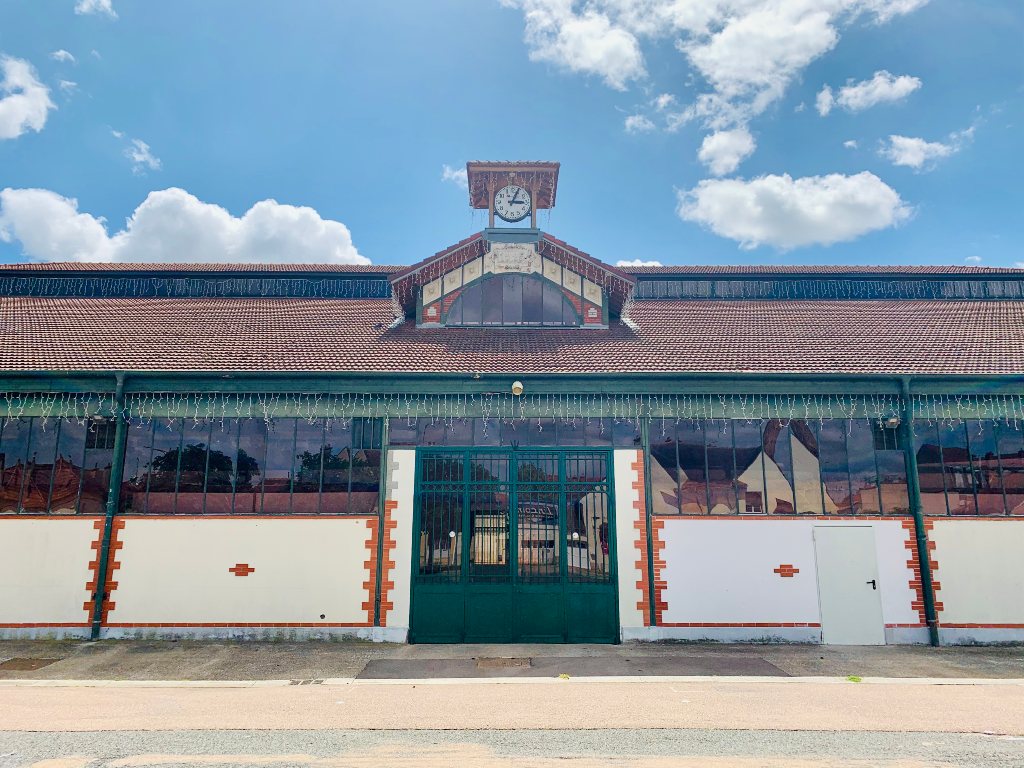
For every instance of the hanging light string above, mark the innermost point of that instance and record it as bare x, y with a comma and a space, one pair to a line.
538, 409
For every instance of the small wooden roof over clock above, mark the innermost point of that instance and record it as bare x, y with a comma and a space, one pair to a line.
485, 178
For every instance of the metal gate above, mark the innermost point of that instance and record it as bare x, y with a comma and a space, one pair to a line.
514, 545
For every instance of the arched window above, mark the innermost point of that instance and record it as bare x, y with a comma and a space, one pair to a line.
512, 299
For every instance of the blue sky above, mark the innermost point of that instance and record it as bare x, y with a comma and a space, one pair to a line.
346, 113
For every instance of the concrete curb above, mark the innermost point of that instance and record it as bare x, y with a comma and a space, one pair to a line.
343, 681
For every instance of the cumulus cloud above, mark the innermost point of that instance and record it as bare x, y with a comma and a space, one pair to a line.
638, 263
24, 101
883, 88
639, 124
100, 7
916, 153
723, 151
457, 176
746, 51
172, 226
64, 57
787, 213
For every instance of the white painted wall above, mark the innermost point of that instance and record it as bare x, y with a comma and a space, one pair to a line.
980, 573
176, 571
401, 488
722, 571
44, 567
626, 516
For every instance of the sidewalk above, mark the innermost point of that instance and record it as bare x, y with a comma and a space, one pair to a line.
218, 660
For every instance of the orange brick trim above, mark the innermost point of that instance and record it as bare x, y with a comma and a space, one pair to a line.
647, 581
109, 585
834, 518
660, 606
268, 624
241, 569
387, 565
45, 624
914, 564
984, 626
786, 571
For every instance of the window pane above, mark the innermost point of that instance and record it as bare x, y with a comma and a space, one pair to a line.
365, 481
13, 458
806, 467
192, 478
664, 469
35, 495
860, 446
533, 303
470, 299
138, 448
835, 470
988, 486
431, 432
486, 431
67, 475
277, 477
492, 298
929, 468
220, 472
337, 468
749, 466
572, 431
693, 489
778, 467
163, 466
458, 432
599, 432
512, 299
1011, 457
99, 459
249, 463
309, 442
957, 463
402, 431
721, 468
626, 434
552, 304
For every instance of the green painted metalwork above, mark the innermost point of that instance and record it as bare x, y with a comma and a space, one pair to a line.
480, 512
920, 533
113, 497
382, 499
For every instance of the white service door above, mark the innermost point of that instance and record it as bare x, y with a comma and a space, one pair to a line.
849, 594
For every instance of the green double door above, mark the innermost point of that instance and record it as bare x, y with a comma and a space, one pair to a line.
514, 546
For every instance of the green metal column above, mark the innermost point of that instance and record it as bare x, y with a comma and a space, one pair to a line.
381, 500
113, 499
645, 442
914, 488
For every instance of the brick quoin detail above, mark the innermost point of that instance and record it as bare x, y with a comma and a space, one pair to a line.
241, 569
646, 581
387, 564
113, 564
786, 571
914, 564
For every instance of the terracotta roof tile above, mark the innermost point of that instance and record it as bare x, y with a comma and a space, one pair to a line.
298, 335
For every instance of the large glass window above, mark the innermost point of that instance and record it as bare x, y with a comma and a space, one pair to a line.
860, 448
1010, 444
247, 466
592, 432
988, 482
929, 468
45, 467
721, 468
957, 471
512, 299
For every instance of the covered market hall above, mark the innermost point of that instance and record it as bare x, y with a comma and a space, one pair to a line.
512, 440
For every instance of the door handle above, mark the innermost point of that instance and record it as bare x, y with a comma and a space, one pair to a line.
873, 583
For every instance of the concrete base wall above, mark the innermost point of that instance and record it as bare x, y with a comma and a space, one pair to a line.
374, 634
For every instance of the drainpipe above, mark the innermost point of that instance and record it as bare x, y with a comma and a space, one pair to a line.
914, 488
381, 501
645, 442
113, 498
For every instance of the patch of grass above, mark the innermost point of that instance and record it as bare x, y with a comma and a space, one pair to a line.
855, 679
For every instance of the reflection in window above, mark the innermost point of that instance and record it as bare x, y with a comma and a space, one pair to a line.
512, 299
806, 467
860, 448
892, 469
67, 473
988, 484
592, 432
778, 467
929, 468
835, 469
35, 492
957, 471
721, 467
1011, 462
749, 466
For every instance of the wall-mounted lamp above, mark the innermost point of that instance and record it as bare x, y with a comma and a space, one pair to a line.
517, 388
892, 422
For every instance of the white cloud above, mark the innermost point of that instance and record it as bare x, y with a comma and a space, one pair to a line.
851, 144
141, 156
96, 6
973, 259
24, 101
63, 56
787, 213
723, 151
457, 176
663, 101
638, 263
172, 226
919, 154
883, 88
639, 124
67, 86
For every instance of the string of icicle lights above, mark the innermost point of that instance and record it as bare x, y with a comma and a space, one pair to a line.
196, 288
666, 409
814, 289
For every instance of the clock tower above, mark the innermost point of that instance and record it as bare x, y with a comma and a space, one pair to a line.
512, 191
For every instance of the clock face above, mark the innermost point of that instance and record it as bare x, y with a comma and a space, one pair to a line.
512, 203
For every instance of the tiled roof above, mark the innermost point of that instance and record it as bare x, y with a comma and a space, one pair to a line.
298, 335
696, 270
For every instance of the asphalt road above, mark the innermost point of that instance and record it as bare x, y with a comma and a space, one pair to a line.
689, 722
